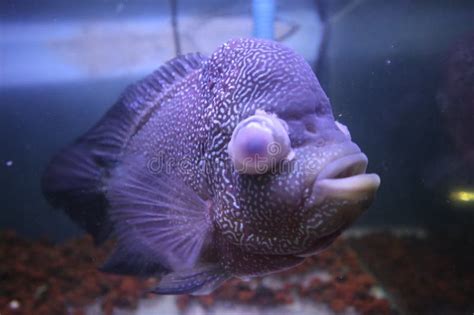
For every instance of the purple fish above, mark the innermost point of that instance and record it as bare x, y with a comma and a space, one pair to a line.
211, 168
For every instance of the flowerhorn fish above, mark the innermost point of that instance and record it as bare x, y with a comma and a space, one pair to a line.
212, 168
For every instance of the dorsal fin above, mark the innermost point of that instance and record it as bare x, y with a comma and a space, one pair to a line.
74, 179
138, 101
138, 95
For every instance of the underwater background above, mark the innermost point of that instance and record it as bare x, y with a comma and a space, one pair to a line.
399, 74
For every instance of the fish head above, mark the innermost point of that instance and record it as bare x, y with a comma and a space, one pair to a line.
331, 188
307, 188
298, 179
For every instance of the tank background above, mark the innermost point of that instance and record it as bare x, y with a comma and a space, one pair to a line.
382, 69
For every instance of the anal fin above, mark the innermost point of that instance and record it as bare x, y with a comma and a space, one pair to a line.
133, 261
198, 281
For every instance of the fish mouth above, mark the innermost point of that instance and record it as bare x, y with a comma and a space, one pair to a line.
345, 179
341, 192
339, 196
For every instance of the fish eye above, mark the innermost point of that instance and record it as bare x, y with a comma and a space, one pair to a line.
258, 143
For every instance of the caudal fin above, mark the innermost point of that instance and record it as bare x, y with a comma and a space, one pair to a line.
73, 181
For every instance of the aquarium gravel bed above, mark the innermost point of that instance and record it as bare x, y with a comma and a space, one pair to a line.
419, 273
38, 277
423, 274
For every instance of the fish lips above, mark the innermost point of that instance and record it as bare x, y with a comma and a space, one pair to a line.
345, 179
342, 190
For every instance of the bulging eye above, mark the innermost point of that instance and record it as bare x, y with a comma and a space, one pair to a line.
258, 143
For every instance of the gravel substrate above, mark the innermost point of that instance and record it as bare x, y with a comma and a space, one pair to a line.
431, 275
38, 277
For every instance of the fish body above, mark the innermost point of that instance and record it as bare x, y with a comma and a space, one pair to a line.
215, 167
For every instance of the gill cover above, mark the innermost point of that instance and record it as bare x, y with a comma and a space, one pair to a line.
258, 143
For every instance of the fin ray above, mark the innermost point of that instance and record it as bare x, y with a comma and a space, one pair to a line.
173, 234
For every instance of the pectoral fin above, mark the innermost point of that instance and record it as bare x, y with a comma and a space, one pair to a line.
157, 214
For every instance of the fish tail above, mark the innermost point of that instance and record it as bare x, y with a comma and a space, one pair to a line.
73, 180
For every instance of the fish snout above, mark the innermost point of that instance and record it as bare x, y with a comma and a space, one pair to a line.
345, 179
341, 192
